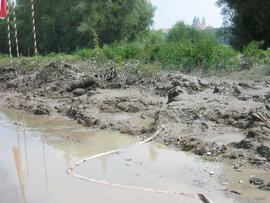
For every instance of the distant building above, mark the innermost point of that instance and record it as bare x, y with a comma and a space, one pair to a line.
165, 30
200, 25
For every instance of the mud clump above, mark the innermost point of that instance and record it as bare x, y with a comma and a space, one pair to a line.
197, 113
256, 181
41, 110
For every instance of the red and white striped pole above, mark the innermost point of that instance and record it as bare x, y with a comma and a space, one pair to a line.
15, 29
4, 13
34, 27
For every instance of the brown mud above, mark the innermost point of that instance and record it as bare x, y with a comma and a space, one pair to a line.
219, 120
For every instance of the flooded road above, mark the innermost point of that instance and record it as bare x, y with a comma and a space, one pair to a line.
35, 155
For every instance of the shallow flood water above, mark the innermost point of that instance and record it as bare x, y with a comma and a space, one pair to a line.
35, 155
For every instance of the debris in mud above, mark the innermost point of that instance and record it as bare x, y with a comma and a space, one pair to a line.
264, 151
235, 192
41, 110
256, 181
264, 187
79, 92
173, 94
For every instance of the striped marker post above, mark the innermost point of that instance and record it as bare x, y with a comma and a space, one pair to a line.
9, 40
34, 27
15, 29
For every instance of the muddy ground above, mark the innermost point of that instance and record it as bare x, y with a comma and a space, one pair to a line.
219, 120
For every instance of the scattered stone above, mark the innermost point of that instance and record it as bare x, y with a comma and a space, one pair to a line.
236, 167
216, 90
41, 110
79, 92
209, 153
211, 173
268, 184
201, 151
264, 187
236, 90
17, 123
240, 181
256, 181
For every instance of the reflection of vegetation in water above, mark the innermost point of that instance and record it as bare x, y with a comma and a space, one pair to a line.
153, 152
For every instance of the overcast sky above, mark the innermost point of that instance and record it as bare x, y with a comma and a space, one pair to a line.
170, 11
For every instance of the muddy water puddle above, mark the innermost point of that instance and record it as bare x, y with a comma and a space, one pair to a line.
35, 155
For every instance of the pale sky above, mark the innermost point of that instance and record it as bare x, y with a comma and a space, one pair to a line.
170, 11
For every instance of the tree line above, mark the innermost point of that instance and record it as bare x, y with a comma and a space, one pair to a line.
67, 25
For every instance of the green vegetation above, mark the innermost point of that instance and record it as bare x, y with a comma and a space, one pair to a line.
184, 49
119, 31
69, 25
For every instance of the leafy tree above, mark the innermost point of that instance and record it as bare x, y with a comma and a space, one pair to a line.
67, 25
248, 21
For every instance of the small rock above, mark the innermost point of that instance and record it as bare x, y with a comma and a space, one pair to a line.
41, 110
209, 153
216, 90
240, 181
211, 173
238, 170
264, 187
201, 151
268, 184
79, 92
236, 167
17, 123
256, 181
236, 90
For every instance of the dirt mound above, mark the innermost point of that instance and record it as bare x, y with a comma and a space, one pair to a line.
217, 119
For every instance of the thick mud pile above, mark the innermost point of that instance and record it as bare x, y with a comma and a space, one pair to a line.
220, 120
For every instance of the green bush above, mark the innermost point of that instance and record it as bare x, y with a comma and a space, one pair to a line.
254, 54
122, 51
207, 54
84, 53
152, 45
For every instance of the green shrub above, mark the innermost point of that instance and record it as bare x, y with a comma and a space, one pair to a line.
122, 51
84, 53
153, 45
255, 55
207, 54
